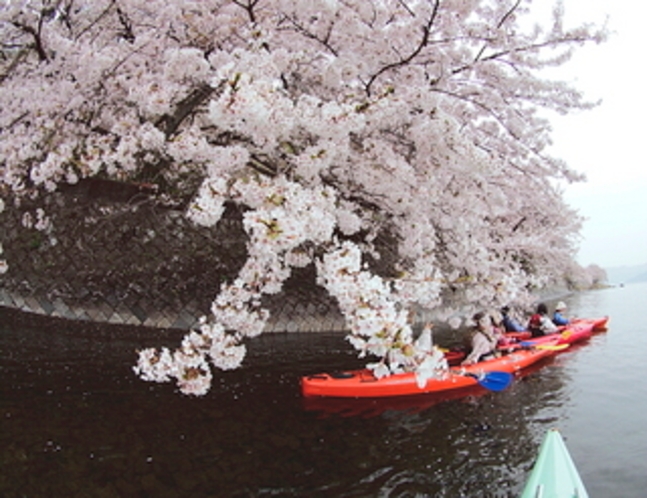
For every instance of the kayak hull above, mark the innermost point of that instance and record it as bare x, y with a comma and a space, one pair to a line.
363, 384
599, 324
577, 331
580, 330
554, 474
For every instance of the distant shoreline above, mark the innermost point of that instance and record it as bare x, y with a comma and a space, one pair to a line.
626, 274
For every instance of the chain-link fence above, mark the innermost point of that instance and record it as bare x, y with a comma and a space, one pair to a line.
115, 254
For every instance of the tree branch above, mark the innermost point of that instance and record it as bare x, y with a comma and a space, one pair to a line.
95, 21
527, 48
505, 17
185, 107
426, 30
249, 8
128, 33
518, 224
324, 41
38, 43
480, 105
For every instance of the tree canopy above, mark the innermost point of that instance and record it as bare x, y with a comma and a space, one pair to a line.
333, 124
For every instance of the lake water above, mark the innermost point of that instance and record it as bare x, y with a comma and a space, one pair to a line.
76, 422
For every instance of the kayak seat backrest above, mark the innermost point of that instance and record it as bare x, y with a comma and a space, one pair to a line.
342, 375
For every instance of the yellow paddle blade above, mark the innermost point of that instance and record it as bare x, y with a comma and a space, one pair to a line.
552, 347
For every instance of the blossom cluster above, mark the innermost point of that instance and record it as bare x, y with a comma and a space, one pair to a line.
285, 215
379, 325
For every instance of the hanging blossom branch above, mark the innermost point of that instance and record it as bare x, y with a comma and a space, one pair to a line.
378, 317
376, 314
275, 236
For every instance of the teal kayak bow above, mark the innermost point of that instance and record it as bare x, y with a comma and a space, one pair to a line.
554, 474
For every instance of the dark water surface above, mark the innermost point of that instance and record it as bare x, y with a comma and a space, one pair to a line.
75, 421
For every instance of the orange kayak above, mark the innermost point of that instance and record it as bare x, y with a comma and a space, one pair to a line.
363, 384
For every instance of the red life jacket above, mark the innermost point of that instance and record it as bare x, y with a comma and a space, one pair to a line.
535, 321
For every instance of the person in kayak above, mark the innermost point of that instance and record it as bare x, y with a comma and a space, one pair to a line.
484, 338
509, 323
540, 323
558, 317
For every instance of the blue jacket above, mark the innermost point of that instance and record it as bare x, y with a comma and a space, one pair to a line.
559, 319
511, 325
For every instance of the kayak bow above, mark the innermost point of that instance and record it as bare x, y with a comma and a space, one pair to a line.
554, 474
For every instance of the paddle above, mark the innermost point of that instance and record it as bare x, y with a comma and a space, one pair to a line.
549, 347
494, 381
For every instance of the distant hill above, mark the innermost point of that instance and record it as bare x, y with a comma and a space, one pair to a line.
627, 274
638, 278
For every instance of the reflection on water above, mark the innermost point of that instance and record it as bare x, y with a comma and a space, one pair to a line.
75, 421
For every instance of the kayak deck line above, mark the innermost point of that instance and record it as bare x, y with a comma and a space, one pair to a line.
554, 474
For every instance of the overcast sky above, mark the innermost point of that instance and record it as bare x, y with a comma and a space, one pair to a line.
606, 143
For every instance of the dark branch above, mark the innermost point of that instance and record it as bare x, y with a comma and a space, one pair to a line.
127, 34
508, 14
505, 17
96, 21
249, 7
324, 41
426, 30
170, 124
518, 224
38, 43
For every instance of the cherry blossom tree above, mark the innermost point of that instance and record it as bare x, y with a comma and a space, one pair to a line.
332, 123
597, 275
589, 277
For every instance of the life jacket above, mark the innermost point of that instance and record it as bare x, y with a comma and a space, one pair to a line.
535, 322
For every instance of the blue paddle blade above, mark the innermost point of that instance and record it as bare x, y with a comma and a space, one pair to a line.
494, 381
497, 381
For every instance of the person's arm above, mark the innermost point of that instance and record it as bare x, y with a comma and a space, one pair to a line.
558, 319
508, 324
547, 325
480, 346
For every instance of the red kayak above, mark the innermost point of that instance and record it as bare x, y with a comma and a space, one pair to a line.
568, 334
374, 407
363, 384
599, 324
578, 330
518, 336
